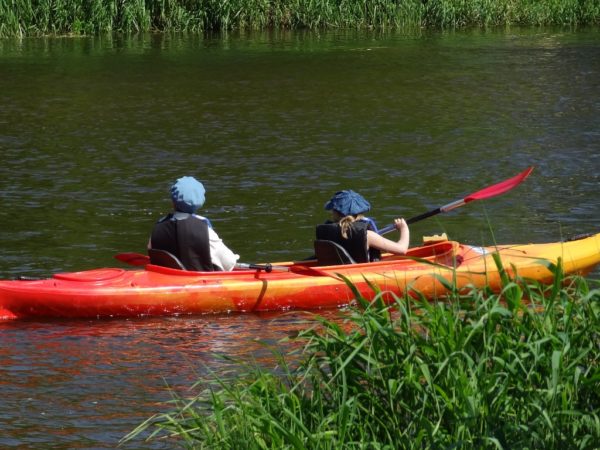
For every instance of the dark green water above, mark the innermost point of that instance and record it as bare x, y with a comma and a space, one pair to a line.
93, 131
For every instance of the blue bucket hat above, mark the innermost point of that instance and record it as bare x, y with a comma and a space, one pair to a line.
348, 203
187, 194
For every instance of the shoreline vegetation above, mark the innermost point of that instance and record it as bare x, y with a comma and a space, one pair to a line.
519, 369
19, 18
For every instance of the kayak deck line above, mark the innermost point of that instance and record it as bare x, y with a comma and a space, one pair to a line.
159, 291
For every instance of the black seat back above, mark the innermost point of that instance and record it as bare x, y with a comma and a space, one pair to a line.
164, 258
328, 253
355, 244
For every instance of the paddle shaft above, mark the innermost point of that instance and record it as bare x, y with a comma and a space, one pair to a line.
138, 259
266, 267
433, 212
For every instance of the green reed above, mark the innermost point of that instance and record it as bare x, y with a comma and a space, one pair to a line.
33, 17
519, 369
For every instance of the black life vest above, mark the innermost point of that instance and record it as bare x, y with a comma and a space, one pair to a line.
187, 239
355, 244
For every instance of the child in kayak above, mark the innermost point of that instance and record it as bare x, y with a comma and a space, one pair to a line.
357, 233
188, 236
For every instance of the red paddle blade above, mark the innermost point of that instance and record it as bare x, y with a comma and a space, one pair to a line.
499, 188
133, 259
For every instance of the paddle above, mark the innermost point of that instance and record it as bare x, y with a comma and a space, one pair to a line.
133, 259
137, 259
488, 192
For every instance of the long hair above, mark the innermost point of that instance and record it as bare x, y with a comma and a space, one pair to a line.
346, 221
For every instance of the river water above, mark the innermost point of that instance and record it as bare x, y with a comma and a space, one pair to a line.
94, 130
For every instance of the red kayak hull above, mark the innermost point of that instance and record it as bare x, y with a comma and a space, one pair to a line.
159, 291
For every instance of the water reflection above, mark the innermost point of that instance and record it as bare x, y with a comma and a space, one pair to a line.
62, 379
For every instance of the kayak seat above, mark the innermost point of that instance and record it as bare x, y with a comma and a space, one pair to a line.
355, 243
329, 253
165, 259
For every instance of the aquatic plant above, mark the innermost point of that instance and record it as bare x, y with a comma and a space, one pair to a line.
519, 369
34, 17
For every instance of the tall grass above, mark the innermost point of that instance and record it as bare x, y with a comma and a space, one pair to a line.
519, 369
31, 17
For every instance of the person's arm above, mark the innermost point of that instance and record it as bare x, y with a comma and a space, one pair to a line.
377, 241
220, 254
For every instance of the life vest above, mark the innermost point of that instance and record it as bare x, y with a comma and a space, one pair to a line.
355, 244
187, 239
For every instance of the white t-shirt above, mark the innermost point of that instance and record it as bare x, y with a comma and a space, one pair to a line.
220, 254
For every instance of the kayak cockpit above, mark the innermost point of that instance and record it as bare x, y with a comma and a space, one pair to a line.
439, 252
94, 275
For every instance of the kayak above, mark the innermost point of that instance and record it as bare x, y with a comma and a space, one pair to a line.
161, 291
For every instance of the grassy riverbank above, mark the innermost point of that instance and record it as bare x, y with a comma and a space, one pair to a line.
516, 370
35, 17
